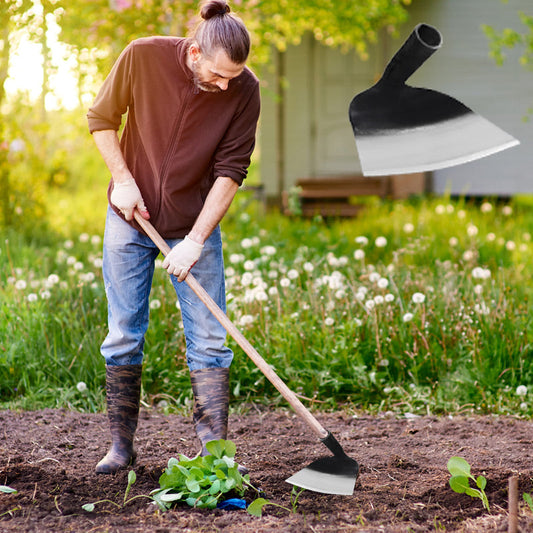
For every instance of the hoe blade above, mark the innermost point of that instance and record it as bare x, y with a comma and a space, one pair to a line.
329, 475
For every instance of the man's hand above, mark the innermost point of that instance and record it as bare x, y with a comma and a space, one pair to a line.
182, 258
127, 196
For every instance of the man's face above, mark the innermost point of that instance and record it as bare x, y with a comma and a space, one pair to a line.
213, 74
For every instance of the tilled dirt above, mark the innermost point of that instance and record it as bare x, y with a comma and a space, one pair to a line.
49, 457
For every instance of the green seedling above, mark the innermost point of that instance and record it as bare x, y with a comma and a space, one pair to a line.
528, 500
460, 480
132, 478
256, 507
201, 481
7, 490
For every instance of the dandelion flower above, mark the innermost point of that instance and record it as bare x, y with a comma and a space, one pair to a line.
510, 245
329, 321
84, 237
454, 241
308, 267
389, 297
370, 304
45, 295
32, 297
507, 210
381, 242
292, 274
285, 282
374, 277
246, 243
379, 299
20, 284
361, 240
358, 322
96, 239
155, 304
491, 237
418, 298
268, 250
407, 317
478, 289
521, 390
249, 265
383, 283
408, 227
472, 230
81, 386
68, 245
440, 209
359, 255
245, 320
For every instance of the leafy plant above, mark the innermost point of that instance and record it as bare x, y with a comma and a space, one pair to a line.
7, 490
132, 477
460, 480
256, 507
201, 481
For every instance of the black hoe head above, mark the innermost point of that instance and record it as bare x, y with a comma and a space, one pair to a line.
329, 475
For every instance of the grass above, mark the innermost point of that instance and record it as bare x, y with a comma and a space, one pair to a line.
416, 306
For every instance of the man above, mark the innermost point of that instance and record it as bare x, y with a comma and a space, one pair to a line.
192, 109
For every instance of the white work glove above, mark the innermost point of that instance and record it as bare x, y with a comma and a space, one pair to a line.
182, 258
127, 196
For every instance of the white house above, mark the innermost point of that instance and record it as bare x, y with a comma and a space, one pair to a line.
308, 133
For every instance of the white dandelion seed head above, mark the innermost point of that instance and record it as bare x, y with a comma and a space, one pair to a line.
381, 242
453, 242
361, 240
359, 255
308, 267
20, 284
374, 277
329, 321
472, 230
293, 274
407, 317
32, 297
84, 237
521, 390
491, 237
155, 304
370, 304
440, 209
507, 210
486, 207
389, 297
418, 298
379, 299
408, 227
510, 245
285, 282
81, 386
383, 283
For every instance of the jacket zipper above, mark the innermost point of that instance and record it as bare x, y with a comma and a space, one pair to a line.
175, 135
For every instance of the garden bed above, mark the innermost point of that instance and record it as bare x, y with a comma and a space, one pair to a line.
49, 456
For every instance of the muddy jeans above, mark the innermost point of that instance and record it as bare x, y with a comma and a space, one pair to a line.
128, 269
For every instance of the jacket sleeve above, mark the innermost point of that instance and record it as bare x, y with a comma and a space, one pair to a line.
114, 97
234, 151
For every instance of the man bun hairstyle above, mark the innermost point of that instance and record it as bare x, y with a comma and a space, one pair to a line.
221, 29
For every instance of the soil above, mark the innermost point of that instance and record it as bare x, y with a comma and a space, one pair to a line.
49, 457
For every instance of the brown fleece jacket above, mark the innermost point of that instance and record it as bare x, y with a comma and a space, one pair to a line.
177, 139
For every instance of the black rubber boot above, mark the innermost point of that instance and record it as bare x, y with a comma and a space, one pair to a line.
123, 385
210, 387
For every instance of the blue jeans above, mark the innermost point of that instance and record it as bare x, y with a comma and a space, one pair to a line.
128, 268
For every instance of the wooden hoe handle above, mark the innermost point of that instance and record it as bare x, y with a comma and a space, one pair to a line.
228, 325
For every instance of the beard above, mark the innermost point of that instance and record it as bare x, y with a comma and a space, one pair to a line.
202, 85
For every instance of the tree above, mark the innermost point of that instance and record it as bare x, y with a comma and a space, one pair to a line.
510, 38
108, 25
14, 15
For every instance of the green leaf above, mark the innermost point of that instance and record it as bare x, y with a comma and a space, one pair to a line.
528, 500
459, 484
458, 467
220, 448
7, 490
473, 492
481, 482
89, 507
256, 507
215, 487
192, 485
